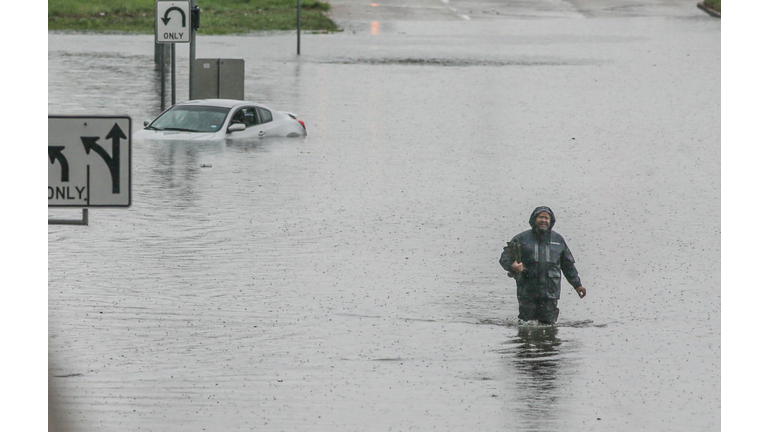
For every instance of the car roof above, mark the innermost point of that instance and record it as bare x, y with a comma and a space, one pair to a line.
225, 103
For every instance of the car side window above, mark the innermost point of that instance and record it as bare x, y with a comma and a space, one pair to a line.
237, 118
246, 116
266, 115
249, 117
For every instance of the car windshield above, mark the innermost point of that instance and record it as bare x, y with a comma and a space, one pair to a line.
191, 118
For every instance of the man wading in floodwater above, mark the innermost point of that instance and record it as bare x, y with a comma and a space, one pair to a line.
535, 258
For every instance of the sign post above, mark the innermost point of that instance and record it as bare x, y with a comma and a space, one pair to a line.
298, 27
193, 43
172, 21
173, 24
89, 161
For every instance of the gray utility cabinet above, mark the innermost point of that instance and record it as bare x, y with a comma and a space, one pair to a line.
218, 79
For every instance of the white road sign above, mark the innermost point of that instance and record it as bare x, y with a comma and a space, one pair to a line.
89, 161
172, 21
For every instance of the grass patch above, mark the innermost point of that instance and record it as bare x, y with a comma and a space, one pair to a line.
217, 17
713, 4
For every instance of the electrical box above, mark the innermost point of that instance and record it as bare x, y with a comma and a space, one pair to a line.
218, 79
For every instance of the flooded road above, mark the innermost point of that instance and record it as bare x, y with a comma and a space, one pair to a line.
350, 280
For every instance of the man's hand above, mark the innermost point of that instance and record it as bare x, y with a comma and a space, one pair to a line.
517, 267
581, 290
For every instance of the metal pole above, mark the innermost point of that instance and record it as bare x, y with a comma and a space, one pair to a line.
192, 36
298, 27
84, 221
162, 79
219, 67
173, 74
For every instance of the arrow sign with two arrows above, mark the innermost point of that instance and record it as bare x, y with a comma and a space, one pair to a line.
84, 170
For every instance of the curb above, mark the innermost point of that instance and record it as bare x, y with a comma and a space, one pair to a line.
712, 12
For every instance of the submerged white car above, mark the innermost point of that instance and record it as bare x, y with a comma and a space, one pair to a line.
220, 119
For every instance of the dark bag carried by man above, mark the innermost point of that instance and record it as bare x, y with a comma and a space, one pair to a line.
515, 253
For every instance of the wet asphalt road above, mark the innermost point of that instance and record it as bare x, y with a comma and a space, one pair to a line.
350, 280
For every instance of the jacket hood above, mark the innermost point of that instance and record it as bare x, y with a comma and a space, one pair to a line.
540, 209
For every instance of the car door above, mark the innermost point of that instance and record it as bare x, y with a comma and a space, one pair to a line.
250, 118
266, 119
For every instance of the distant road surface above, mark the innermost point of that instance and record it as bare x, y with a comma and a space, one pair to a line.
346, 11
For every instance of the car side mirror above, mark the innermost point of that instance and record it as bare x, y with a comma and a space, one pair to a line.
146, 123
236, 127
